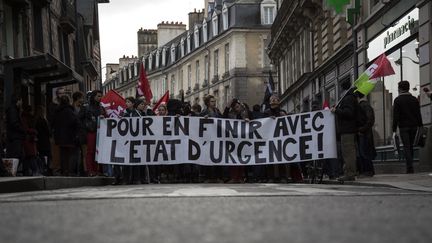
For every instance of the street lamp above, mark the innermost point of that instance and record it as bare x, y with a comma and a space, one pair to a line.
399, 61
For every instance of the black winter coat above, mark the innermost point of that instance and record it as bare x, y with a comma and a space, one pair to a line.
406, 112
346, 114
14, 125
66, 126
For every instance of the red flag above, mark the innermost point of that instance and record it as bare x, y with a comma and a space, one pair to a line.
326, 105
143, 87
384, 68
113, 103
163, 100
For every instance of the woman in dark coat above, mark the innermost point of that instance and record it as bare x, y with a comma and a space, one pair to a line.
43, 135
15, 132
65, 131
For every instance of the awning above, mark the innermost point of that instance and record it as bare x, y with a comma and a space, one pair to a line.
43, 68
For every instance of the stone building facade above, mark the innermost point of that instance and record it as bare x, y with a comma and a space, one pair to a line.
47, 44
223, 55
315, 50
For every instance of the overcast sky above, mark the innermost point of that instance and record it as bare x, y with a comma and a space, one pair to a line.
121, 19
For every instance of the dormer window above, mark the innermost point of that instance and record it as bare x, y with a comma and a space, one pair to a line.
157, 58
164, 52
268, 12
136, 69
150, 61
173, 53
204, 31
196, 36
188, 43
225, 17
215, 24
129, 71
182, 50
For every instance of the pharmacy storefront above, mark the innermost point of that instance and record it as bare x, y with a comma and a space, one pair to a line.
400, 42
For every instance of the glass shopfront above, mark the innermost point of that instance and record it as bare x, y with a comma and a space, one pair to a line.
400, 43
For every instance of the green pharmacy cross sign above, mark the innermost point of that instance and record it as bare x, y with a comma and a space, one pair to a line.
338, 5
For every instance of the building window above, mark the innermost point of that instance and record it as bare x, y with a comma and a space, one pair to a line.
226, 57
225, 17
189, 76
164, 52
216, 62
268, 12
63, 40
150, 62
216, 95
172, 91
206, 68
164, 85
173, 53
188, 43
157, 58
130, 71
215, 24
197, 72
196, 37
204, 32
181, 79
135, 69
182, 50
37, 28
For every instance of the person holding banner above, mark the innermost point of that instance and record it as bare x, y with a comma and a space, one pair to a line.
406, 116
346, 129
212, 174
279, 172
139, 173
236, 110
91, 113
122, 173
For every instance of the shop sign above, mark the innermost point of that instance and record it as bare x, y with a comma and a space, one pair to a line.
399, 31
404, 28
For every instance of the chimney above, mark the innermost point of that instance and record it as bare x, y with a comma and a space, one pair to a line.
195, 18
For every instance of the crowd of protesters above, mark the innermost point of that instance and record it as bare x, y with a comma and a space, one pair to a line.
63, 143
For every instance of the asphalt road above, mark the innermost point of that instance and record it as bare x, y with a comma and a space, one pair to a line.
218, 213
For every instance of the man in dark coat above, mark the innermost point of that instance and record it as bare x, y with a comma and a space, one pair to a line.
66, 131
346, 128
366, 147
406, 116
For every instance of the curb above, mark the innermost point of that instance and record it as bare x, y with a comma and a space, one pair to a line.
12, 184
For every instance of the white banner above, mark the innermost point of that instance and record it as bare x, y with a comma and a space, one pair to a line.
154, 140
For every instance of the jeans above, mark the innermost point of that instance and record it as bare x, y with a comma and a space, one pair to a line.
407, 135
365, 155
348, 149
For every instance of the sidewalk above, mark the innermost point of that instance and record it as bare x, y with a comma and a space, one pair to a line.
417, 182
36, 183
